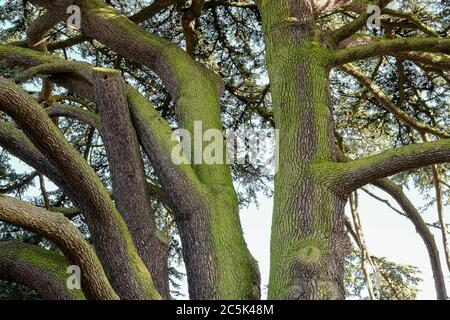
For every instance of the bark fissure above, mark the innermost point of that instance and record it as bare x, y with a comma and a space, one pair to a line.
129, 181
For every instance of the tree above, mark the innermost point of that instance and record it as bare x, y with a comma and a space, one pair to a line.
205, 51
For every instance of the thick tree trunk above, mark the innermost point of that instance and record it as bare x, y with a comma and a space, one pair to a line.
218, 263
309, 242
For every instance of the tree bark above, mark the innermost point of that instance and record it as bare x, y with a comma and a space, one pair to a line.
218, 262
70, 241
211, 216
115, 248
38, 269
309, 242
129, 181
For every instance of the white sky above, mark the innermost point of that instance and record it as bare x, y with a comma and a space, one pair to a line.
387, 235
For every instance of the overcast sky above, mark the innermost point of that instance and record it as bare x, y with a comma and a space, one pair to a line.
387, 235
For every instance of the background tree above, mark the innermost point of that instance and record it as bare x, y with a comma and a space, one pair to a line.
99, 126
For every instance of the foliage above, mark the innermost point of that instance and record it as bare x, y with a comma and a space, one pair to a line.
396, 281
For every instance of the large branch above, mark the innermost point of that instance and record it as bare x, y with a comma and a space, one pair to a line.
155, 135
110, 234
383, 47
63, 233
357, 173
436, 60
17, 143
421, 226
194, 88
154, 132
413, 214
38, 269
389, 105
128, 174
141, 16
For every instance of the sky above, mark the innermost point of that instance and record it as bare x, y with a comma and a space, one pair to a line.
387, 234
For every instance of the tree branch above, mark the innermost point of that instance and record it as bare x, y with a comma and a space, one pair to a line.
155, 136
154, 133
365, 255
110, 234
383, 47
38, 29
141, 16
389, 105
38, 269
414, 216
357, 173
85, 116
430, 59
416, 21
128, 174
18, 184
357, 24
175, 68
58, 229
440, 208
187, 22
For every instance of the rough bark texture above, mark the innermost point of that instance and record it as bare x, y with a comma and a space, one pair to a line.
308, 234
128, 275
58, 229
128, 176
218, 263
38, 269
215, 248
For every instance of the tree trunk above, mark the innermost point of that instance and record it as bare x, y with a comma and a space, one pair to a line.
309, 242
128, 177
218, 263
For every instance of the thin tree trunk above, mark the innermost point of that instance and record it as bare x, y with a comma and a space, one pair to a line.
365, 256
440, 207
441, 214
128, 175
422, 229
